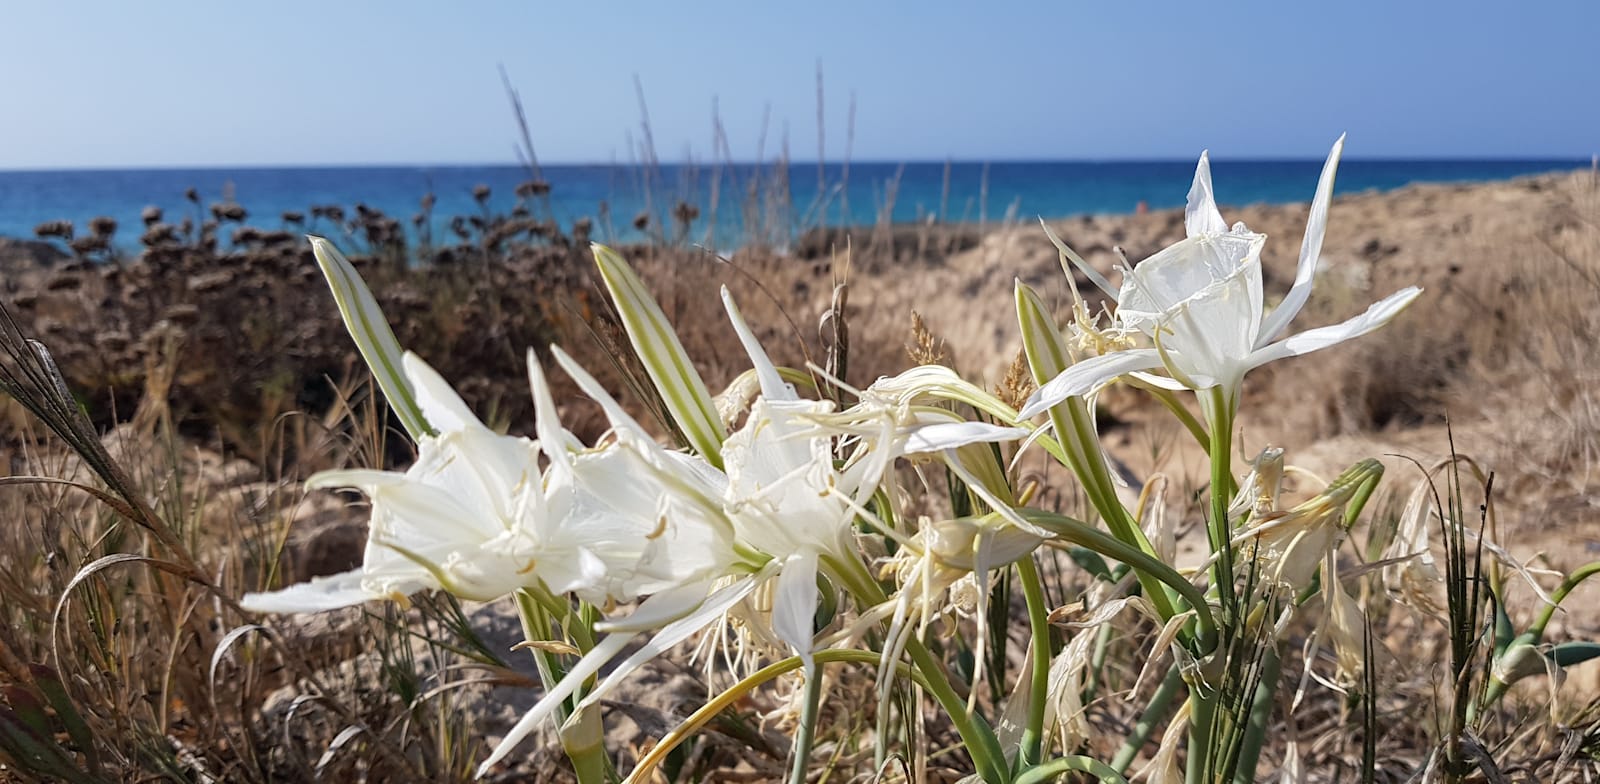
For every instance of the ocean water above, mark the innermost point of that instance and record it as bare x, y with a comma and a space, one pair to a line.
613, 196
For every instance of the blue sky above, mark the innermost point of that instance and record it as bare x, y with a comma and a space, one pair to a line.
207, 83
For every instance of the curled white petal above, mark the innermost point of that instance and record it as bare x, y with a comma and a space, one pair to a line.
773, 386
319, 595
950, 435
590, 664
1200, 215
1377, 315
1086, 376
440, 404
795, 604
1310, 249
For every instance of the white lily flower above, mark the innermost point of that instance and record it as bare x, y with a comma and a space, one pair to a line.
900, 415
785, 496
475, 517
690, 564
779, 512
453, 521
1200, 302
638, 515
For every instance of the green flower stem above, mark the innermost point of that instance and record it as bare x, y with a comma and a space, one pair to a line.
1155, 712
1039, 677
1255, 732
1535, 633
536, 626
1097, 662
1049, 771
1202, 719
583, 738
1558, 596
1221, 491
806, 733
979, 738
1145, 565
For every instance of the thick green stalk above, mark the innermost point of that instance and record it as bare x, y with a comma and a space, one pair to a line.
1039, 675
1155, 712
1221, 411
583, 737
806, 733
1202, 721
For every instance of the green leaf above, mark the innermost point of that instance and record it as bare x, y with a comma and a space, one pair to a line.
1041, 339
685, 394
1569, 653
372, 334
1504, 632
1091, 562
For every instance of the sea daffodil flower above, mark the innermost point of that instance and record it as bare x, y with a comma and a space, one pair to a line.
453, 521
1201, 304
474, 516
783, 512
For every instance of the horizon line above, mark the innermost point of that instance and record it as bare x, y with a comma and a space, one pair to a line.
792, 163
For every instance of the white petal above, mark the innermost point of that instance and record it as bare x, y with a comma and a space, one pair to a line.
674, 633
1160, 382
950, 435
1322, 337
555, 440
1310, 249
795, 605
773, 386
1085, 376
619, 419
1200, 216
614, 644
318, 595
660, 610
441, 405
417, 516
580, 672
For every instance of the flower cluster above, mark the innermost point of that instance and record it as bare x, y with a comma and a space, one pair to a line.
795, 500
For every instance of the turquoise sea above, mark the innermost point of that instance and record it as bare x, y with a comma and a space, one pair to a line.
788, 200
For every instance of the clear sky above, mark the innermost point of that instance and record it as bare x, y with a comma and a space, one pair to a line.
359, 81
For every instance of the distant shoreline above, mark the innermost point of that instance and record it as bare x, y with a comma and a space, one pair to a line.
772, 205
